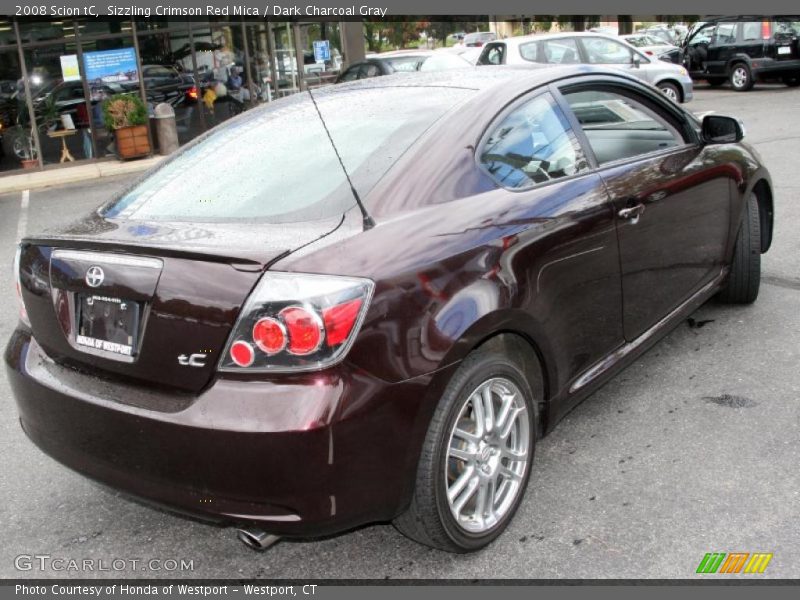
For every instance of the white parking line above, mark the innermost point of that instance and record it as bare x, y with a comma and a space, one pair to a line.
22, 223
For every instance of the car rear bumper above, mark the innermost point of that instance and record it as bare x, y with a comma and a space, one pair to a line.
310, 455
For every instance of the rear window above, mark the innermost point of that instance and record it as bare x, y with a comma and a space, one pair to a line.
276, 163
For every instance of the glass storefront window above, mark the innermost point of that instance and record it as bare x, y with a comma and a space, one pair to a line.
7, 31
221, 73
91, 26
15, 124
53, 98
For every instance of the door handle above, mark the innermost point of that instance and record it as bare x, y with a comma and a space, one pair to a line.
632, 213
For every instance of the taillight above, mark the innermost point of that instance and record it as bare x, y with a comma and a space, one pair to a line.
193, 93
23, 314
297, 322
766, 30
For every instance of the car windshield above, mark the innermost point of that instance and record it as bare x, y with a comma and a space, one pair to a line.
276, 164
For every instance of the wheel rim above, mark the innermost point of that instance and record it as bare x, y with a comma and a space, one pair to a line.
487, 455
670, 93
739, 77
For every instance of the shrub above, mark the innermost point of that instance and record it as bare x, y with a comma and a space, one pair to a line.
124, 110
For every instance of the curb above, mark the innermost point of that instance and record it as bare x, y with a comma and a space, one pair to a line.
56, 177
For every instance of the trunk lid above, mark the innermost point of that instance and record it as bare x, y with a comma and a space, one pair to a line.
150, 302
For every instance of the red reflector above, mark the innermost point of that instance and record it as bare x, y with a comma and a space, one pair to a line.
648, 52
242, 353
305, 330
765, 30
269, 335
339, 321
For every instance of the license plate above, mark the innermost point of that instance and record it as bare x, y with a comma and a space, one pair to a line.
784, 50
109, 324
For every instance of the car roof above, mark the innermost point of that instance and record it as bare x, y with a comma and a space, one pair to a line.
524, 39
483, 77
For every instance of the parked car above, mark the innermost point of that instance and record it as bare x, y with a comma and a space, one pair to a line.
426, 274
745, 50
166, 84
479, 38
653, 46
403, 61
590, 48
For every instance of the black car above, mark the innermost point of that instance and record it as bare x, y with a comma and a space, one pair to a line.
744, 50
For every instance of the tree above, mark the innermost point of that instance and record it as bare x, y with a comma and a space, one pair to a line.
624, 24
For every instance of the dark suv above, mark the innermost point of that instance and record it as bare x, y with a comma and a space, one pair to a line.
744, 50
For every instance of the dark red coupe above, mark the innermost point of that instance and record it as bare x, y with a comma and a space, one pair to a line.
369, 303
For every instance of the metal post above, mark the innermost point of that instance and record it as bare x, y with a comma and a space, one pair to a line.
142, 92
86, 95
273, 60
299, 57
196, 81
247, 65
28, 99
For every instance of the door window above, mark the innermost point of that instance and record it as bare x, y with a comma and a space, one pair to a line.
561, 51
532, 144
606, 52
725, 34
619, 127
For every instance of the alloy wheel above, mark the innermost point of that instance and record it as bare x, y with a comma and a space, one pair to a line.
739, 77
670, 93
487, 455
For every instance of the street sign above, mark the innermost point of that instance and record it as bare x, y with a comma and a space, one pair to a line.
322, 50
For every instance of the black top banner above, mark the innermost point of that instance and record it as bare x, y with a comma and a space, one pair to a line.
300, 9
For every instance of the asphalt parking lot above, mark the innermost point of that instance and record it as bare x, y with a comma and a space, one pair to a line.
693, 449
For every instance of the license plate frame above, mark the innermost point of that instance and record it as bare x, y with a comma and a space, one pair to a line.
107, 324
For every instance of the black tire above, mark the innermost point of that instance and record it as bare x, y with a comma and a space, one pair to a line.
745, 276
792, 81
741, 77
671, 91
428, 519
715, 82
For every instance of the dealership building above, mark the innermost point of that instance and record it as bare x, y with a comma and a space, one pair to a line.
55, 72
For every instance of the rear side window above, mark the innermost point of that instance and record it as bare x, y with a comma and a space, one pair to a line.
275, 164
751, 31
532, 144
619, 127
561, 52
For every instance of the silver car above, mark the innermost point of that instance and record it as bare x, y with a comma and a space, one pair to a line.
590, 48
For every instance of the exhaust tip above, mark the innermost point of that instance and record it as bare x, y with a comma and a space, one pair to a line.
256, 539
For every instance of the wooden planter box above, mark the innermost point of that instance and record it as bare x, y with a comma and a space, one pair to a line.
132, 142
29, 163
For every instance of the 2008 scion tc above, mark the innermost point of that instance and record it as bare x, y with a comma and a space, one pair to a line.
369, 304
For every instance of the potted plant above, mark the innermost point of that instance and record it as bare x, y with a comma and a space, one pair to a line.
126, 116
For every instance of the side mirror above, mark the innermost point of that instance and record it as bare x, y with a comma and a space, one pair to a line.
718, 129
636, 61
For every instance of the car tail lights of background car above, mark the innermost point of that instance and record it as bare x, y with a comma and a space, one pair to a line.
297, 322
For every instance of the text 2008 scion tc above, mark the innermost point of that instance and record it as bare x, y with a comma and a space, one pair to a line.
369, 303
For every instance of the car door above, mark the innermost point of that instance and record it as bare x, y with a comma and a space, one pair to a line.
722, 48
565, 256
672, 207
696, 51
752, 38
